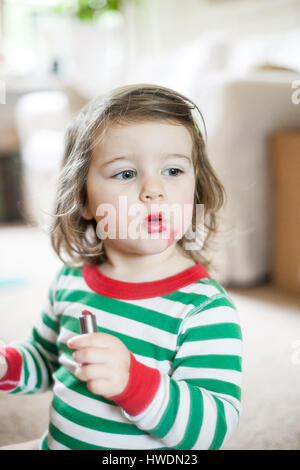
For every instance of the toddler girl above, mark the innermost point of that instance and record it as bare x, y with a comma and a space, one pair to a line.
163, 371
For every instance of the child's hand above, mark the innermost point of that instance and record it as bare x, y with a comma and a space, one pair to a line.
104, 363
3, 366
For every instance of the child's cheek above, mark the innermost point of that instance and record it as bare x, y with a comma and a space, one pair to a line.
182, 222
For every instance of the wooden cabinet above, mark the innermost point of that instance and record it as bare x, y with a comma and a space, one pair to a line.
285, 169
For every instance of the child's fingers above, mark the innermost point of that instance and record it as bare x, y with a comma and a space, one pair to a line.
91, 372
90, 340
103, 387
92, 356
3, 366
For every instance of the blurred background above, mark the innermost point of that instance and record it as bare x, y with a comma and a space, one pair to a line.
239, 61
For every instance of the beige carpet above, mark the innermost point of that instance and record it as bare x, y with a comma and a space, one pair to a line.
270, 322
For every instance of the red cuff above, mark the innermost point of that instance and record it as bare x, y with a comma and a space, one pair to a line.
14, 363
142, 386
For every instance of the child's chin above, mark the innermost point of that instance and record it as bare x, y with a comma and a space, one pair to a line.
151, 245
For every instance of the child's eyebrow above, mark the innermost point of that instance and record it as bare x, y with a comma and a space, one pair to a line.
128, 157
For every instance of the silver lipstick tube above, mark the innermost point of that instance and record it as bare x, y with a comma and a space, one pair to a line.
88, 323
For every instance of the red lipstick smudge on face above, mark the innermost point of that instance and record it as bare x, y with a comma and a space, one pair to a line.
173, 234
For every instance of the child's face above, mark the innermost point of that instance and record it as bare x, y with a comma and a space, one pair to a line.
149, 175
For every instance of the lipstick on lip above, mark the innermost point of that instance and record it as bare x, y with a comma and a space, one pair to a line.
154, 223
87, 322
154, 217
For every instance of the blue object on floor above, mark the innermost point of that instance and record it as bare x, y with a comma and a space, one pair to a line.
12, 281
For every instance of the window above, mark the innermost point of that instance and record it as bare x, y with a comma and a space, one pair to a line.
19, 30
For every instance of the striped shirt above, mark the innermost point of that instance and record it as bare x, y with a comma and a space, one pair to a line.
185, 327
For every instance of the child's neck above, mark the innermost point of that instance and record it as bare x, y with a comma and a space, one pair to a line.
177, 262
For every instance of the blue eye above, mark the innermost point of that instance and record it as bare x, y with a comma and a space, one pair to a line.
122, 173
126, 172
176, 169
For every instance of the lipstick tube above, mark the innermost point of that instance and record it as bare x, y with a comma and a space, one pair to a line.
87, 322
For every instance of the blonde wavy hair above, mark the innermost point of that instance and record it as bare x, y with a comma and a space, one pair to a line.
76, 237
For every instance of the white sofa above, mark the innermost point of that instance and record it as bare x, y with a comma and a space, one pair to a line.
253, 108
41, 118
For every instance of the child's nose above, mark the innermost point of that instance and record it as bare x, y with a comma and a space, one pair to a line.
152, 189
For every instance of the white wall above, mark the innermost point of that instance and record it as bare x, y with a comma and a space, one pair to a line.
165, 24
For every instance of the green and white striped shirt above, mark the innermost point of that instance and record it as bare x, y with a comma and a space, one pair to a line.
185, 326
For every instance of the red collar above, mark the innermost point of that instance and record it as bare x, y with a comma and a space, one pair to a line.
109, 287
